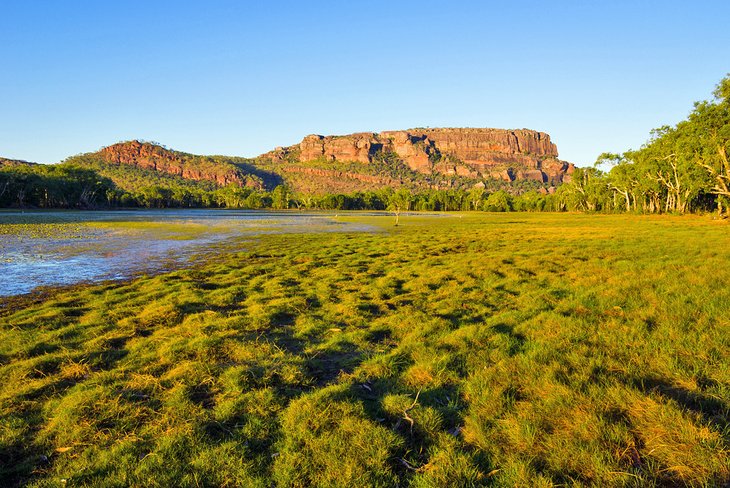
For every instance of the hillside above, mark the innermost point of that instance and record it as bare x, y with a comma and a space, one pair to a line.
5, 162
424, 161
419, 158
135, 164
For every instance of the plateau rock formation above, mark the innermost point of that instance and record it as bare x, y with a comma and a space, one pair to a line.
154, 157
473, 153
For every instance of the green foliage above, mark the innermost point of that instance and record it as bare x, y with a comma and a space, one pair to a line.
64, 186
133, 178
401, 200
499, 201
280, 197
130, 186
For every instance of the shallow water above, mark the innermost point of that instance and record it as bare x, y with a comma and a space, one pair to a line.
49, 248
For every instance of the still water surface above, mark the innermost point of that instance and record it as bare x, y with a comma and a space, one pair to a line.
48, 248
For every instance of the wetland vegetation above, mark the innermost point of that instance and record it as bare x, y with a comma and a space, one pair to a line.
47, 248
524, 349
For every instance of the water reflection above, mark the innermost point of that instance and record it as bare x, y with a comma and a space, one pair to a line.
60, 248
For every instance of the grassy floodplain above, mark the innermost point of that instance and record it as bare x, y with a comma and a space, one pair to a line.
487, 349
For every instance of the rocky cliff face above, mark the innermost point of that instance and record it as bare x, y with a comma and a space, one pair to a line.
354, 147
477, 153
157, 158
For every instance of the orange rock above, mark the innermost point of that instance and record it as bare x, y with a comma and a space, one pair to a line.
472, 152
152, 156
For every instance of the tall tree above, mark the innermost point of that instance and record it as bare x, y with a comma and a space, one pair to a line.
400, 201
709, 123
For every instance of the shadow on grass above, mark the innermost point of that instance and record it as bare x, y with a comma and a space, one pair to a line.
327, 365
713, 410
18, 461
44, 392
106, 359
21, 458
444, 399
516, 340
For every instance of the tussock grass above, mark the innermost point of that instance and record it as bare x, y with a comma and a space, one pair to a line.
488, 350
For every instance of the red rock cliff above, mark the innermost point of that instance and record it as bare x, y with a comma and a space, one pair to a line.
474, 152
157, 158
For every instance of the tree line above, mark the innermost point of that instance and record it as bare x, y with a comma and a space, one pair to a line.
52, 186
62, 186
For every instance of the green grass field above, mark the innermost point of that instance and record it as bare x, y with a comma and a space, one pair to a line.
483, 350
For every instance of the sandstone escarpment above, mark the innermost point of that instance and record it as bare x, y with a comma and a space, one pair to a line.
354, 147
473, 153
154, 157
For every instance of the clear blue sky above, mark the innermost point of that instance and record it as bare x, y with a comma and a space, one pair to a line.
240, 78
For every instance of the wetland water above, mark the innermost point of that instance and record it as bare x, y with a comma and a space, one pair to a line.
49, 248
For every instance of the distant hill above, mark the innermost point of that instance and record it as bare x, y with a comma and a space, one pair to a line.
416, 159
419, 158
135, 164
15, 162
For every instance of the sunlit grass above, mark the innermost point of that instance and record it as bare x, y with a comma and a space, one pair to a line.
504, 350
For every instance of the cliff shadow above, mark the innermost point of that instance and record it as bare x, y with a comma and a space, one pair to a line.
271, 180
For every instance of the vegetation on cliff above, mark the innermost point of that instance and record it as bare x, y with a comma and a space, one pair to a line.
74, 185
491, 350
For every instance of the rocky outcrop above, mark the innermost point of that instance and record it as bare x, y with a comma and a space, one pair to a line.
355, 147
472, 153
154, 157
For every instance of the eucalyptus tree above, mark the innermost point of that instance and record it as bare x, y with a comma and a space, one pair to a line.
680, 165
587, 191
709, 125
476, 196
499, 201
399, 202
622, 180
280, 197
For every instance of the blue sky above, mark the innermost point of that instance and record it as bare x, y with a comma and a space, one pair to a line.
240, 78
